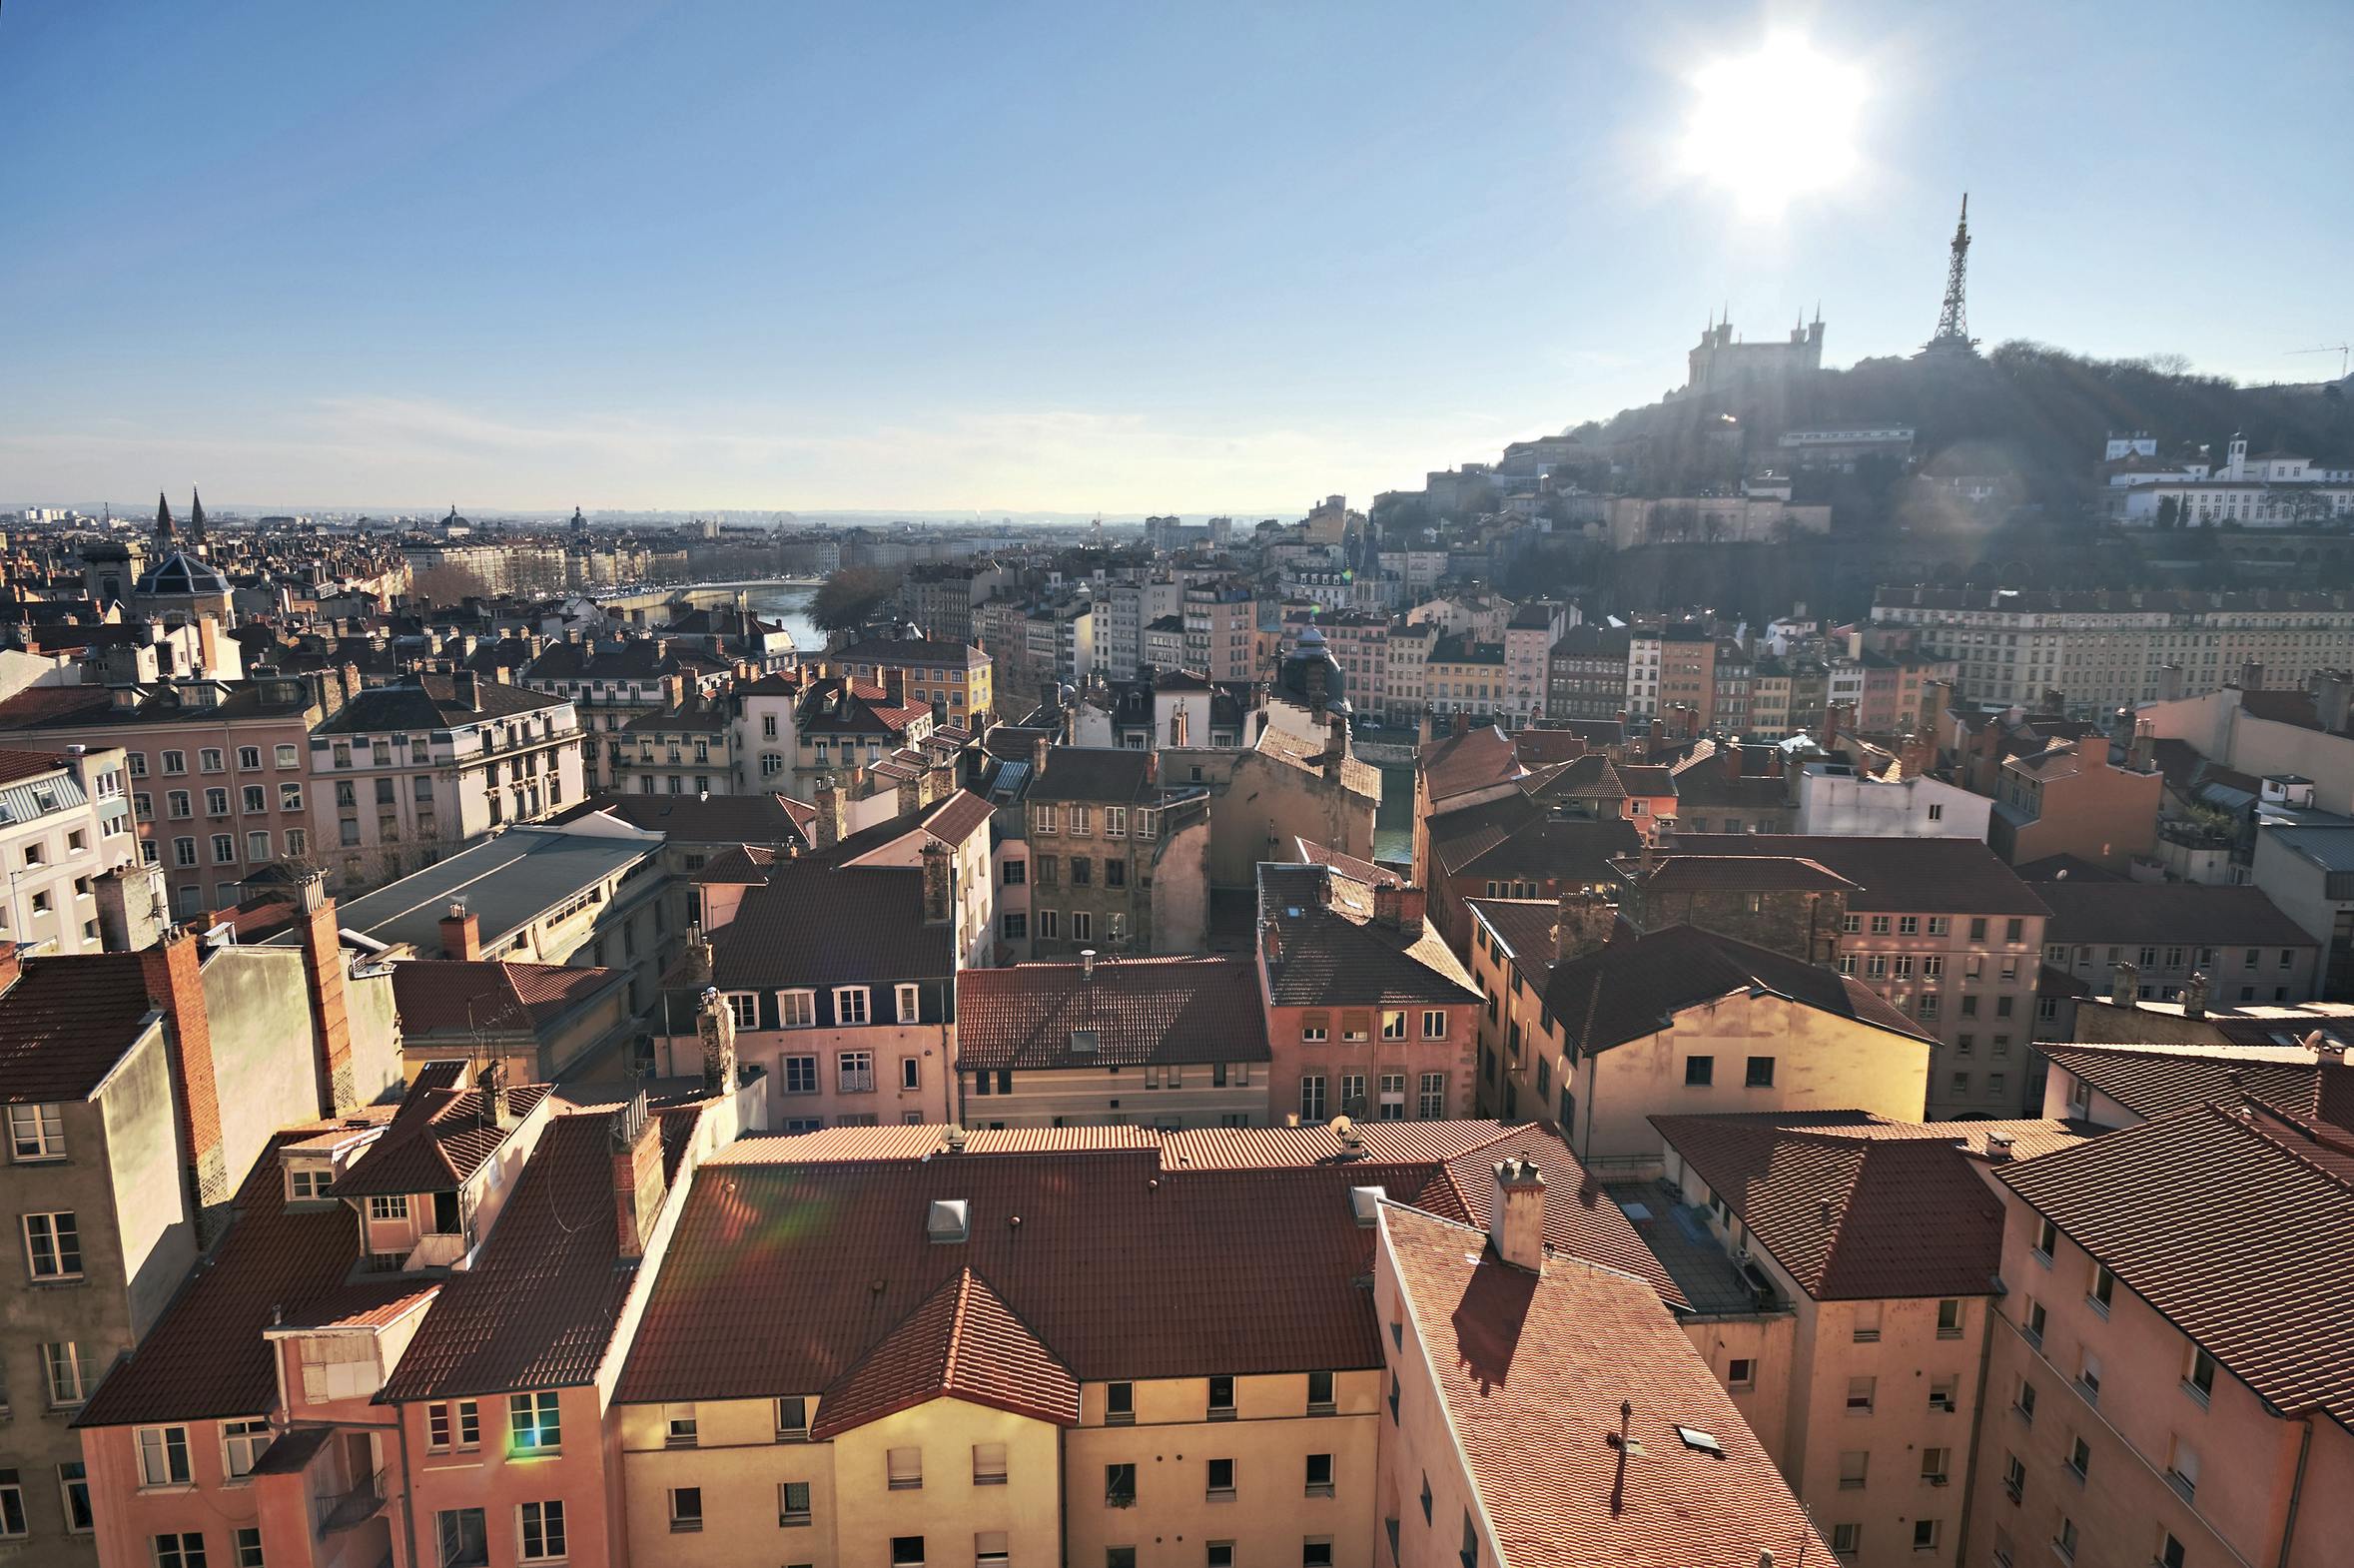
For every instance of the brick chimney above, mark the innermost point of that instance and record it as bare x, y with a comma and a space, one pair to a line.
1516, 1219
491, 1080
636, 1144
465, 689
715, 1025
1584, 924
939, 891
698, 954
2125, 984
2142, 755
175, 980
462, 932
828, 800
895, 685
331, 1016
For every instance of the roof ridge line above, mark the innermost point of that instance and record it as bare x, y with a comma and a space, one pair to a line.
956, 1327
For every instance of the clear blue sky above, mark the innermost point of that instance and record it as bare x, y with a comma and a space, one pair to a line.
1032, 257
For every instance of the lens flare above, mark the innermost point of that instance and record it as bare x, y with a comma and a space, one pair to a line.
1775, 125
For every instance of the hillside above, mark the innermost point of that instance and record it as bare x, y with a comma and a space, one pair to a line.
2040, 412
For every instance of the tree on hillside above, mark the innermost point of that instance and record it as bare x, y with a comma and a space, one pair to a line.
851, 595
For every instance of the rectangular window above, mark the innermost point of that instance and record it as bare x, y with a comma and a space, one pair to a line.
792, 1418
989, 1464
904, 1470
1319, 1475
73, 1487
533, 1425
36, 1133
242, 1444
792, 1503
686, 1509
1222, 1398
1119, 1486
1312, 1097
679, 1426
909, 1001
855, 1071
388, 1208
850, 1006
162, 1457
1320, 1393
1432, 1105
1760, 1073
1222, 1480
179, 1549
797, 1008
1860, 1395
911, 1072
1853, 1465
1120, 1404
53, 1247
1847, 1540
542, 1528
1700, 1071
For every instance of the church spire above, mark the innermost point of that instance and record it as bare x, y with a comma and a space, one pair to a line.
163, 519
196, 517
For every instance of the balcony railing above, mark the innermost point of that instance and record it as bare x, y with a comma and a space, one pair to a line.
348, 1510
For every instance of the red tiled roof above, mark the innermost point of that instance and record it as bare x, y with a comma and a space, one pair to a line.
872, 932
15, 764
539, 1308
1377, 1142
1850, 1217
440, 1137
961, 1342
434, 996
1630, 989
1930, 876
1366, 871
205, 1358
67, 1022
1475, 760
1735, 874
836, 1144
2161, 912
1152, 1010
1581, 1221
2232, 1224
1519, 838
1535, 1371
957, 817
2151, 1080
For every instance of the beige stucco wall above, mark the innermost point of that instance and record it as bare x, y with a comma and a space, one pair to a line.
1108, 1096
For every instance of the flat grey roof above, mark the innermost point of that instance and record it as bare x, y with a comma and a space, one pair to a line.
2330, 848
508, 882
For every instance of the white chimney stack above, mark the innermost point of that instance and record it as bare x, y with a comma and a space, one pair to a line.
1516, 1221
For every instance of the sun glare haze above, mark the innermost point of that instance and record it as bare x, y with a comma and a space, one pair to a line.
1775, 125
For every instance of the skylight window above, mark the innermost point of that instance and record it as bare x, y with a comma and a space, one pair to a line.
1705, 1442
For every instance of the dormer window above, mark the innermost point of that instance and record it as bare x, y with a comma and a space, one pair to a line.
306, 1180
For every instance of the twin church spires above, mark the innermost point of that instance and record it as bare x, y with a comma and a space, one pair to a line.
164, 525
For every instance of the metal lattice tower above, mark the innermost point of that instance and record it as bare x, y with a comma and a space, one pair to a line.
1954, 320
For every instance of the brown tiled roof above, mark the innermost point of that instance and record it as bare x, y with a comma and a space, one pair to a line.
1477, 759
1736, 874
67, 1022
961, 1342
1591, 777
907, 1140
1149, 1010
427, 702
1850, 1217
2187, 913
455, 995
15, 765
1095, 773
1366, 871
1379, 1143
2235, 1227
1535, 1371
205, 1358
1333, 953
1581, 1221
958, 818
1529, 930
1931, 876
1518, 837
539, 1307
2151, 1080
1633, 987
873, 930
441, 1135
764, 818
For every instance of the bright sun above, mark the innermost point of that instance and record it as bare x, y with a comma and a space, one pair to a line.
1775, 125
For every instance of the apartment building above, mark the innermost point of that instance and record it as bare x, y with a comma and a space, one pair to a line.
2105, 649
1097, 838
2176, 942
684, 751
941, 597
1950, 938
2166, 1354
1529, 637
128, 1131
841, 725
1461, 675
65, 822
952, 678
1222, 631
611, 682
2072, 799
1593, 1029
401, 774
216, 771
853, 1015
1854, 1345
1586, 673
1671, 667
1369, 1015
1165, 1043
1124, 608
1407, 670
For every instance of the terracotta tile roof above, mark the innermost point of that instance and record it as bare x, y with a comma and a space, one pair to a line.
1530, 932
961, 1342
428, 702
2151, 1080
441, 1135
831, 706
1629, 989
1310, 853
67, 1022
1379, 1143
1475, 760
765, 818
1591, 777
1535, 1372
1581, 1221
2157, 913
205, 1358
836, 1144
1852, 1219
1095, 773
16, 765
1151, 1009
957, 817
539, 1307
2234, 1225
1333, 953
1915, 876
455, 996
740, 864
1226, 1271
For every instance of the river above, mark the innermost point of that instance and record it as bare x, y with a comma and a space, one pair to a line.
791, 606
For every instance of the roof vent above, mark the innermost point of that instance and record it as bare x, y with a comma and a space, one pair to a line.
955, 1138
949, 1222
1366, 1202
1084, 1040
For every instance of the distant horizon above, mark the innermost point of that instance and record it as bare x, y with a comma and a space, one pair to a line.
1086, 259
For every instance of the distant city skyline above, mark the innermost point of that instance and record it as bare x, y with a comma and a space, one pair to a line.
879, 260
